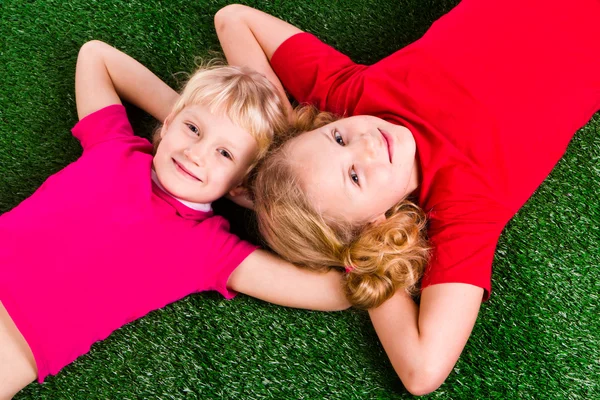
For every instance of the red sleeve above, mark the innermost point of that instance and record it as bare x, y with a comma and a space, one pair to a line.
105, 124
313, 72
462, 251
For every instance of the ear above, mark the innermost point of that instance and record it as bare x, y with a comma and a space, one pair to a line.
239, 195
239, 190
167, 121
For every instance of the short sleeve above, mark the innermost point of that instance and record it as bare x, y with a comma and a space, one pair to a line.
105, 124
224, 251
462, 252
313, 72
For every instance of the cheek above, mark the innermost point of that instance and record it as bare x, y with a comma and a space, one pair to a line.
159, 151
225, 174
383, 176
164, 144
163, 153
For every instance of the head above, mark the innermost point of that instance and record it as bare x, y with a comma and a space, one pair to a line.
220, 127
336, 196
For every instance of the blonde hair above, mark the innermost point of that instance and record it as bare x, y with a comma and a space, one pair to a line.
382, 257
245, 96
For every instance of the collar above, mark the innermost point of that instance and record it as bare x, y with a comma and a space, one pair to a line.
186, 209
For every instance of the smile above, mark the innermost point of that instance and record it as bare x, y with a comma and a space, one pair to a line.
186, 173
389, 141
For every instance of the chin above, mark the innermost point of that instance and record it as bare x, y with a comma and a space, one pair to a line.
196, 198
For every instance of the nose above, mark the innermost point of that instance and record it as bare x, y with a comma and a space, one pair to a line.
368, 148
196, 153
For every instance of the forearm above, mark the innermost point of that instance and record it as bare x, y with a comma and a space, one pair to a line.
423, 344
396, 323
269, 278
242, 31
304, 289
131, 81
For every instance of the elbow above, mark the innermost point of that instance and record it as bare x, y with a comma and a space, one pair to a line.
420, 389
91, 49
92, 45
227, 16
424, 380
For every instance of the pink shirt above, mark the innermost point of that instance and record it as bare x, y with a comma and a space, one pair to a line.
99, 245
493, 93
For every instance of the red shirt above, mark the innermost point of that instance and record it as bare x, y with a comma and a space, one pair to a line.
492, 93
99, 245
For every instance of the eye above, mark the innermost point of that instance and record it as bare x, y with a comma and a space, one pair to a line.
194, 129
338, 138
354, 176
225, 154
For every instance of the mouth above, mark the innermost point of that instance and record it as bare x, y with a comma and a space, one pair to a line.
389, 141
185, 172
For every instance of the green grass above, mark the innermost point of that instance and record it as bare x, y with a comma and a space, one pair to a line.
538, 336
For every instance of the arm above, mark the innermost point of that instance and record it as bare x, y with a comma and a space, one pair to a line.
269, 278
310, 70
424, 344
105, 75
250, 37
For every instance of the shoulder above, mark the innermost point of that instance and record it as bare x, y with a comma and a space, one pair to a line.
108, 123
105, 117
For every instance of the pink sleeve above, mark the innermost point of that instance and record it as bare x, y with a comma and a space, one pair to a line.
105, 124
313, 72
224, 251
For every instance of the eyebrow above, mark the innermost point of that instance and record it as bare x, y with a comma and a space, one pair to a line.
193, 118
230, 144
327, 136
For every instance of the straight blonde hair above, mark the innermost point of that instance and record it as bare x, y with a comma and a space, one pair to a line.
245, 96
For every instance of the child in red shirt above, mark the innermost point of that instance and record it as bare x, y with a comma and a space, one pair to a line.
469, 120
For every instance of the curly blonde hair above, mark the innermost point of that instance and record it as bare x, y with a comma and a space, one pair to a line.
381, 257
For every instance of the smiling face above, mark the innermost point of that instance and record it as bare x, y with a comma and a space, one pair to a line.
202, 156
356, 168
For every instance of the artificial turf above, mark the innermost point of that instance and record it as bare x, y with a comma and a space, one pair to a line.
538, 336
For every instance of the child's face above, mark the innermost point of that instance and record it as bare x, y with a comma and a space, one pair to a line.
202, 156
356, 168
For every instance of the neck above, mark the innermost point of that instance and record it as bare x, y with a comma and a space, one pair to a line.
194, 206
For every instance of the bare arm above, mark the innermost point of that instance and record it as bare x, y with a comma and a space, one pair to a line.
250, 37
105, 75
424, 344
269, 278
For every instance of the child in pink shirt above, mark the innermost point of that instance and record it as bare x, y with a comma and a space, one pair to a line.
111, 237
